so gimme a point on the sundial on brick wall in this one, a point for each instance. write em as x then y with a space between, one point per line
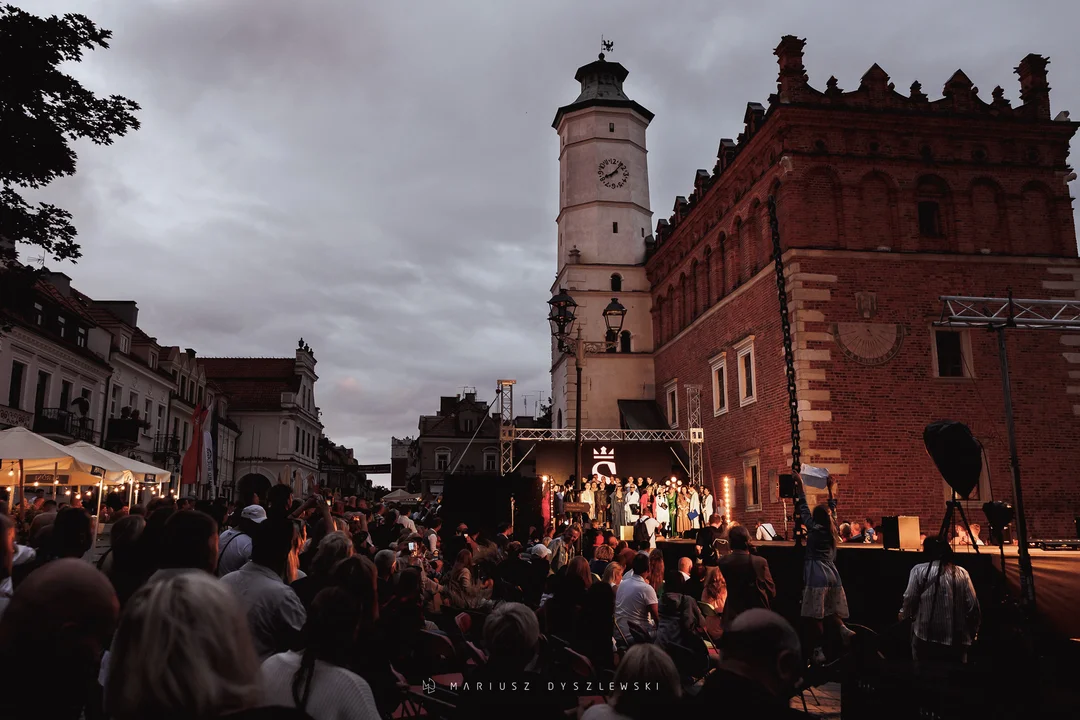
869 343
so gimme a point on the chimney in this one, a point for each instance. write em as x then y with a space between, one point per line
190 353
126 310
60 281
792 79
1034 90
470 397
447 405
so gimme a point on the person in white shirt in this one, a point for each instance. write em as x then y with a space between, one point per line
316 681
940 601
274 612
636 602
235 543
652 525
404 519
632 499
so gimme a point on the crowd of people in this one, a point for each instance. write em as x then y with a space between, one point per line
675 507
340 609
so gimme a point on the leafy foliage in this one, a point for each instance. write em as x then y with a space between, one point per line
42 111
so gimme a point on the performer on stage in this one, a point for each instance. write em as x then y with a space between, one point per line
558 501
645 499
682 519
672 506
708 504
601 496
695 508
587 497
663 516
632 499
618 509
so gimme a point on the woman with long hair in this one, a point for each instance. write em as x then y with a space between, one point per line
824 600
164 664
613 574
316 681
656 570
561 612
464 590
714 592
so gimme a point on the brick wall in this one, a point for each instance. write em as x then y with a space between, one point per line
865 422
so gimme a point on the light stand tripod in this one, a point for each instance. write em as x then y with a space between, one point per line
951 508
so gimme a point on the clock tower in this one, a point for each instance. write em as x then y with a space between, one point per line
604 221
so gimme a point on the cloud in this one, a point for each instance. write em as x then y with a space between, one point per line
381 178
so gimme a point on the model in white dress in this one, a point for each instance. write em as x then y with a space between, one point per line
663 516
632 499
708 505
587 497
695 507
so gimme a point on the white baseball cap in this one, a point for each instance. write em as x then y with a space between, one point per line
254 513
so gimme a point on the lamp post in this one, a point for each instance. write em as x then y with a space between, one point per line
562 319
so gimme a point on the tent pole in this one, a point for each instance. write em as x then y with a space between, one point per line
22 492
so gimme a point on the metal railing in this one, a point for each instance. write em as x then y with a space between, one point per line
591 435
64 423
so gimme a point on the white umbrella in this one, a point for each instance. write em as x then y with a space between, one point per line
37 454
122 469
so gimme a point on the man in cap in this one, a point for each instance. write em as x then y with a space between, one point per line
235 543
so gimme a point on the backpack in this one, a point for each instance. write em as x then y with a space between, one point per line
641 532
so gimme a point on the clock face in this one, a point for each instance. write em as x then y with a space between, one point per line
613 173
869 343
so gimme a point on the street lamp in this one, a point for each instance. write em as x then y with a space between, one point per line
562 319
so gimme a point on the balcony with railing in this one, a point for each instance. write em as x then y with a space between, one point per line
13 417
64 426
166 447
124 433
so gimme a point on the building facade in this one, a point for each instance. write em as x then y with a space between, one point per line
885 202
603 222
461 438
272 404
53 364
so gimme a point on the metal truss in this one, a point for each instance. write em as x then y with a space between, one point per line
962 311
697 435
591 435
505 393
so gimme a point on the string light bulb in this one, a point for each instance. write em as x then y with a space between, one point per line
11 472
35 483
67 492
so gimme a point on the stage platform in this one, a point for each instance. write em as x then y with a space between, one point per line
875 579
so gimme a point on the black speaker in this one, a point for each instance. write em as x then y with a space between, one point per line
957 454
787 485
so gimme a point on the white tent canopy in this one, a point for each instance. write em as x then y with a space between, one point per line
114 462
400 496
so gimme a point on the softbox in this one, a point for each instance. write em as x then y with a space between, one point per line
957 454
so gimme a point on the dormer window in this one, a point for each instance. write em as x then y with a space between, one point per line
152 361
39 314
61 324
125 343
468 425
80 337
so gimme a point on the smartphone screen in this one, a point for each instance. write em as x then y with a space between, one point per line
412 547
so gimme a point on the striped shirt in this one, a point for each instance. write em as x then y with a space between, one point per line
941 604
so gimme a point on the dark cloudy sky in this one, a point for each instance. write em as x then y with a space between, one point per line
380 178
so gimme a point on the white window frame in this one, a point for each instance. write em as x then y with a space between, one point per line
751 460
468 425
125 343
719 390
115 401
493 456
39 314
966 359
161 418
441 454
61 323
671 402
745 348
80 337
153 360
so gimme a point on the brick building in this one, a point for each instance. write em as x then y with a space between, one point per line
885 202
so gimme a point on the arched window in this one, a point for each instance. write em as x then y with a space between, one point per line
931 197
694 289
616 282
624 341
708 277
684 305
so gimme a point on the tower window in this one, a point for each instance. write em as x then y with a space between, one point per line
616 282
611 127
614 227
929 219
624 341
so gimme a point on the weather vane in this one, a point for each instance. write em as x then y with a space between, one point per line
606 45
